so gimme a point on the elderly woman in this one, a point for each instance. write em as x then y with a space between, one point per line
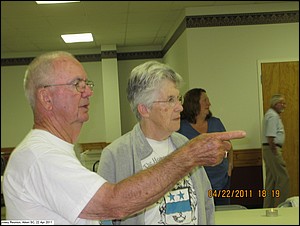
153 94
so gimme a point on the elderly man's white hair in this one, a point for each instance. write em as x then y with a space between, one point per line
275 99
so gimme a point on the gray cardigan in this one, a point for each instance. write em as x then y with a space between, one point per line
122 158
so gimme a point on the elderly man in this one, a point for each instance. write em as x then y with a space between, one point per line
44 180
277 177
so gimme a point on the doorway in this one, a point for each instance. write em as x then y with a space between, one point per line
283 78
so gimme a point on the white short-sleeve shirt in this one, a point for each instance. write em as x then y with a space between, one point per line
44 180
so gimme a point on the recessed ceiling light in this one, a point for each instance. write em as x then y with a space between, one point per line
72 38
54 2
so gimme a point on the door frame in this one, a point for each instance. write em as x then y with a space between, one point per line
260 98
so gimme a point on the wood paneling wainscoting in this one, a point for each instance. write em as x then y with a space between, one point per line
247 178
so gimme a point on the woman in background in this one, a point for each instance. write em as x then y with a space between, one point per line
196 118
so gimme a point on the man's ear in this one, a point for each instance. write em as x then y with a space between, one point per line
44 98
143 110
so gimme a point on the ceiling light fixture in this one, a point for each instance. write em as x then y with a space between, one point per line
72 38
53 2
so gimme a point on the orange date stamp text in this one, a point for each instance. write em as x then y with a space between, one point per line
230 193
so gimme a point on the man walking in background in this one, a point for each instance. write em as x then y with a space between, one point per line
277 177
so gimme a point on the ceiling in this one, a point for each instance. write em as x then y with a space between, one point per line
27 27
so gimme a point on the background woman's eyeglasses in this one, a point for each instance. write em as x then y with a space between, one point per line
79 84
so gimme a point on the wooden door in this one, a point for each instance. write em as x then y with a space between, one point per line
283 78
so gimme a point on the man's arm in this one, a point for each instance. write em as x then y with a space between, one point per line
116 201
272 144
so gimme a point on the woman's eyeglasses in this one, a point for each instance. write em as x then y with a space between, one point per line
172 101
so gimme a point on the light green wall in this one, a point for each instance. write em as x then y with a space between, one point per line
94 129
128 119
224 61
178 59
16 114
111 99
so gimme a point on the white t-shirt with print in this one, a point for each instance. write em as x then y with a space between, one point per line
179 205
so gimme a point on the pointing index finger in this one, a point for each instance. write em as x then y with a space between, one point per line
229 135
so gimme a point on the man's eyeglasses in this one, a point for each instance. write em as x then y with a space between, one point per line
79 84
172 101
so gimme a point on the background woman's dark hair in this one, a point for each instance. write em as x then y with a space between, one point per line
191 105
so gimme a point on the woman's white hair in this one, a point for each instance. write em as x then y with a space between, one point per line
145 81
